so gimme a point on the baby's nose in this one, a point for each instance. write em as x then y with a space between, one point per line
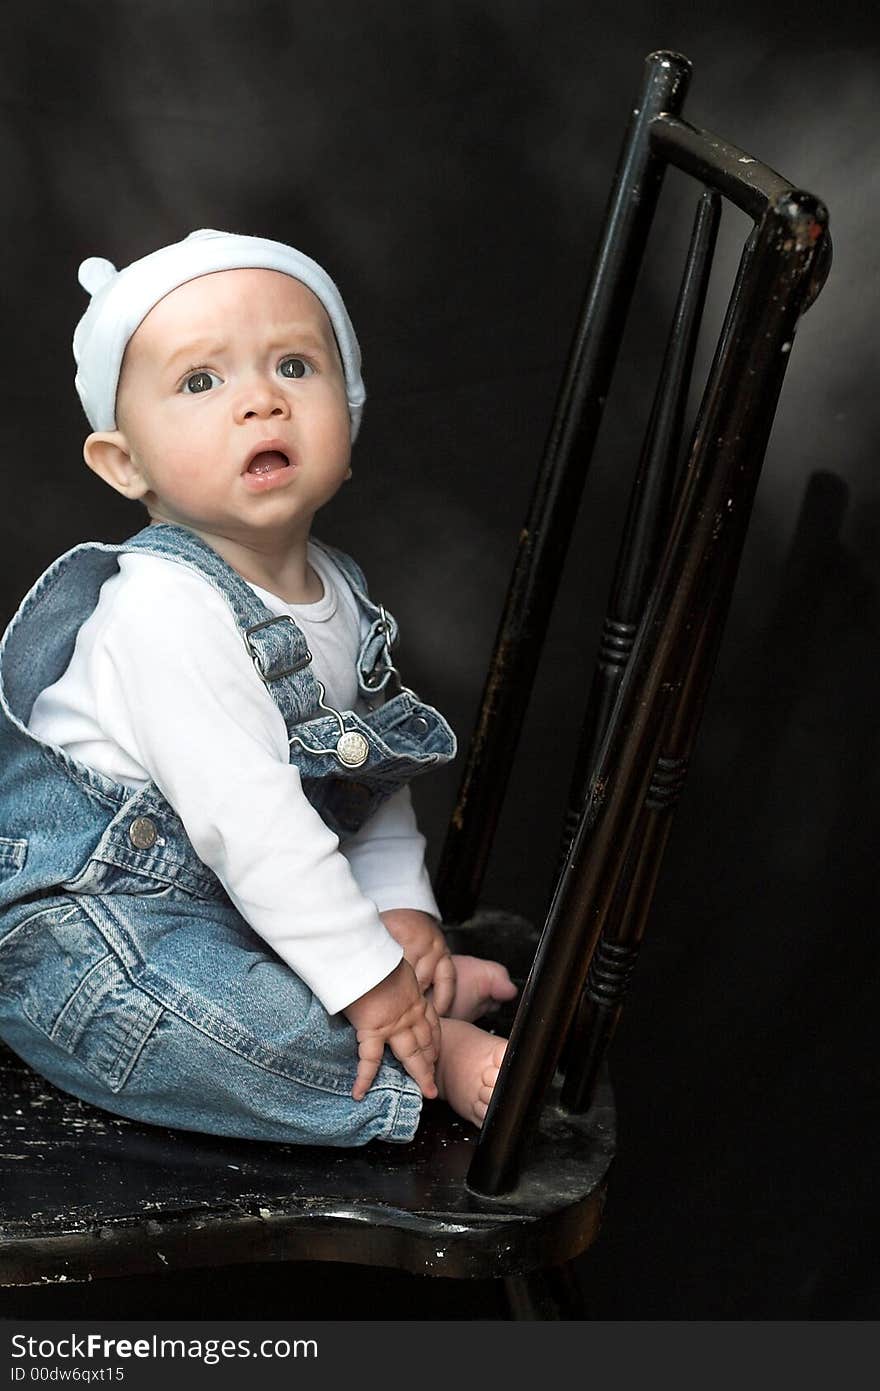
261 399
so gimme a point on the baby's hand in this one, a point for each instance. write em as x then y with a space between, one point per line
397 1013
425 948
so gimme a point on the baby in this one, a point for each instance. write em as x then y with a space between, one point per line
214 907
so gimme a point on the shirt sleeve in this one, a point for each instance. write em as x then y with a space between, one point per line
387 857
179 693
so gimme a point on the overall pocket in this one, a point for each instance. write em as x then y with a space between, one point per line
13 855
59 973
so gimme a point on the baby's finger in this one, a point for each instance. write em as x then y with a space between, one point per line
417 1062
444 984
424 969
370 1050
433 1024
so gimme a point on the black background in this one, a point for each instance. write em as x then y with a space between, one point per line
448 164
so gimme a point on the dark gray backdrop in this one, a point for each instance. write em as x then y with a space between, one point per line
449 164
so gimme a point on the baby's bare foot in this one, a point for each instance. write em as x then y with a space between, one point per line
480 987
467 1067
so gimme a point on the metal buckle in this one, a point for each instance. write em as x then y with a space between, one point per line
380 676
388 678
352 749
255 656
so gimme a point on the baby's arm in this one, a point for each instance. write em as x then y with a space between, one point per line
396 1013
387 858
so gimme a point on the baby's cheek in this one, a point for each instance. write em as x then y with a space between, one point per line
187 464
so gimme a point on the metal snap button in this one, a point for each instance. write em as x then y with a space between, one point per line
142 833
352 749
420 723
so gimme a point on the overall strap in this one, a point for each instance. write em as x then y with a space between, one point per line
274 642
376 671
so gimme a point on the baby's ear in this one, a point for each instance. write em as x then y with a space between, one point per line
107 454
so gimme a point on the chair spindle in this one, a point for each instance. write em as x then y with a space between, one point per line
649 508
670 661
545 537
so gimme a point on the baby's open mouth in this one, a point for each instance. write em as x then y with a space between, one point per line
268 461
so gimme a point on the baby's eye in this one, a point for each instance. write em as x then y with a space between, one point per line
295 367
200 381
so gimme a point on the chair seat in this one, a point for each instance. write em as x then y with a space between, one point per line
87 1194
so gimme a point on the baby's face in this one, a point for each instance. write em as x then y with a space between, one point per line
232 402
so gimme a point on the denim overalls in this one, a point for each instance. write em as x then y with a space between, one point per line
127 977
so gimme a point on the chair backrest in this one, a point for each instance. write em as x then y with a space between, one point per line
674 578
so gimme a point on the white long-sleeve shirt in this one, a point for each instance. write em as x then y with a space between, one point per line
161 688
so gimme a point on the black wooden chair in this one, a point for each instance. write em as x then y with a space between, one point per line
87 1195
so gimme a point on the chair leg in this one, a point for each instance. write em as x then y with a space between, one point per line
545 1295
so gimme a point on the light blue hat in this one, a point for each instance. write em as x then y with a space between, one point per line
121 299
